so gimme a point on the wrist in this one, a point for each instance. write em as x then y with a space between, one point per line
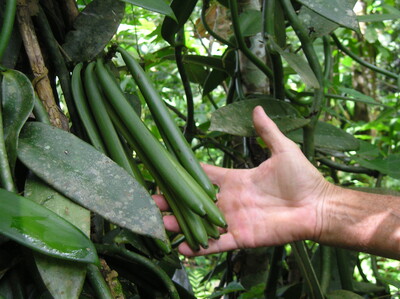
325 202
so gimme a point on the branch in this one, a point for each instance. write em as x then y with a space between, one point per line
41 81
363 62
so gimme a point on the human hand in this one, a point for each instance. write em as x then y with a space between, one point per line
278 202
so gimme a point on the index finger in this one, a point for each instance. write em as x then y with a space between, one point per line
161 202
225 243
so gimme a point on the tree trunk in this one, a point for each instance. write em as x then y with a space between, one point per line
364 79
253 263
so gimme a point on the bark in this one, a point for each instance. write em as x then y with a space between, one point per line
253 262
253 79
364 79
70 12
41 81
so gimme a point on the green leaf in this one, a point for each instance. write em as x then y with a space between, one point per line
230 288
124 236
342 294
214 78
328 136
159 6
367 150
250 22
182 10
338 11
63 279
358 96
41 193
368 287
12 51
377 17
196 73
36 227
299 64
17 103
316 24
88 177
94 28
217 63
236 118
388 165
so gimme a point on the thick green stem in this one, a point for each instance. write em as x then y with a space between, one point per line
326 257
98 283
328 62
348 168
190 124
122 253
269 17
361 61
6 177
307 270
39 111
61 69
308 142
309 52
274 273
311 56
8 24
242 44
335 97
209 30
276 59
346 277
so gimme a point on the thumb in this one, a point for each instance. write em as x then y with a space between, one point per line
215 173
268 131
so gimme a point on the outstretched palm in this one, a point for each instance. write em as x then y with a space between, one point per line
272 204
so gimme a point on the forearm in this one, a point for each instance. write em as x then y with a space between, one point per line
361 221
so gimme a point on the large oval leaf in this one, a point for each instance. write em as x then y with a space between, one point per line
154 5
388 165
182 10
63 279
94 28
316 24
329 137
17 101
236 118
343 294
83 174
298 64
250 22
36 227
338 11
